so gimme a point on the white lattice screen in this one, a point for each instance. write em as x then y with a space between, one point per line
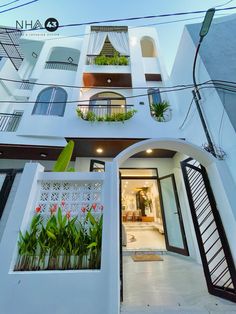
77 197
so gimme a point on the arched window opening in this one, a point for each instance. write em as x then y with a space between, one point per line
154 96
107 103
159 108
51 101
148 47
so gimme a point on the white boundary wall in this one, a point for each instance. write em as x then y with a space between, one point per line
61 292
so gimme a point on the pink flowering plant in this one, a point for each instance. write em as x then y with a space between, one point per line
62 241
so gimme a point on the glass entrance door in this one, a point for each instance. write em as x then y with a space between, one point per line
172 218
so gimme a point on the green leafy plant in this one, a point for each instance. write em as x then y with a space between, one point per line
64 158
61 242
158 110
116 59
114 117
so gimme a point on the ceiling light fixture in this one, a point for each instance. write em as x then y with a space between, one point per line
108 80
43 155
149 151
99 150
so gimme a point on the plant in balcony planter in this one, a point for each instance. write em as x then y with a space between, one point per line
102 60
116 59
123 60
158 110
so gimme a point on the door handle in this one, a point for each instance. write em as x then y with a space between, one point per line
176 213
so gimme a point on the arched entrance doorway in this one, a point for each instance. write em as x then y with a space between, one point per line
196 165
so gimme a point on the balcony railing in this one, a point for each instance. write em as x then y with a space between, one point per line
26 85
108 60
109 113
9 122
58 65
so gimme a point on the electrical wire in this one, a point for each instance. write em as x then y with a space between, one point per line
190 85
125 19
18 6
221 121
132 27
9 3
127 97
222 5
187 114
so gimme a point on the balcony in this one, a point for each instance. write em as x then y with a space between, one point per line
114 59
60 65
9 122
23 91
105 113
26 85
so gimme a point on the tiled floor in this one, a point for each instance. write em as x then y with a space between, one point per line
144 236
174 286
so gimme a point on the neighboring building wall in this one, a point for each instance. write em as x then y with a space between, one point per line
218 121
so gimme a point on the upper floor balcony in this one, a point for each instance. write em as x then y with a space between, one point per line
63 59
24 90
59 65
9 122
105 113
108 50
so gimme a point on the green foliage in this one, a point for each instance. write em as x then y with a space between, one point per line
159 109
116 59
61 242
114 117
64 158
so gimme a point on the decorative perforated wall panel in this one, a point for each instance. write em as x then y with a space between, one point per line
75 196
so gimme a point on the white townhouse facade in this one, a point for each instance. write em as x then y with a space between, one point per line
100 90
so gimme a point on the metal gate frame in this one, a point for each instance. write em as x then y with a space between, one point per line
6 187
227 290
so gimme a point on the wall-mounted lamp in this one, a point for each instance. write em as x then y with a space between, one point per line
34 55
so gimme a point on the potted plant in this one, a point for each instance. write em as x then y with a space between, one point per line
159 109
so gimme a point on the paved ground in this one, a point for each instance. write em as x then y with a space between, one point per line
174 286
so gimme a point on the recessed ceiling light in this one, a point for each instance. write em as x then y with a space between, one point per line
43 155
1 153
108 80
149 151
99 150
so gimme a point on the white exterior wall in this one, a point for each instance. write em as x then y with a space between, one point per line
142 125
61 291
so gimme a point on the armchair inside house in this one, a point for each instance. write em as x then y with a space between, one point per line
137 216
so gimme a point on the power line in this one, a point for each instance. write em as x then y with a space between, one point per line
133 96
124 19
187 114
132 27
218 82
222 5
9 3
18 6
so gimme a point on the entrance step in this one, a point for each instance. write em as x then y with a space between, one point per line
130 252
166 310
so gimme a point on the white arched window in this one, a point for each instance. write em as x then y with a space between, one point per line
51 101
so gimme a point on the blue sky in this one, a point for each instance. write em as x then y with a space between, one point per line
78 11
